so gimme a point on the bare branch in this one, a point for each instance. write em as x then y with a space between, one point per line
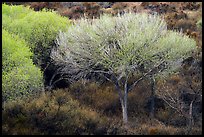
144 75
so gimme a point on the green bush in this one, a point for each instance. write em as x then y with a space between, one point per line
15 12
19 75
39 29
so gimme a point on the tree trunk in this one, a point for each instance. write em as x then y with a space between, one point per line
125 116
123 102
152 107
190 124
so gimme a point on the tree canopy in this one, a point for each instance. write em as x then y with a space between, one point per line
122 45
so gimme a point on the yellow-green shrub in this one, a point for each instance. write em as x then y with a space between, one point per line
39 29
19 75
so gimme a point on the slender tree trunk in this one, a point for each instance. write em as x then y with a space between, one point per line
123 102
190 117
152 107
125 116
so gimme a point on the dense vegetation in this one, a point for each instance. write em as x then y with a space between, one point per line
19 75
39 29
91 105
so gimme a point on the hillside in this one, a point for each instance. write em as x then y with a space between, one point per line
43 100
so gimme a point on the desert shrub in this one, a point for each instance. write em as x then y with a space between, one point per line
70 4
39 29
100 97
74 12
119 6
51 114
38 5
19 75
190 5
104 99
149 126
137 99
41 5
92 9
180 15
185 24
105 4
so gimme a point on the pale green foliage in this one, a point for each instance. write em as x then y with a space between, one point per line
19 75
39 29
173 48
122 45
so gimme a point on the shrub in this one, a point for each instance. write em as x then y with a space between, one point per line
119 6
101 97
39 29
11 13
41 5
42 115
92 9
153 131
19 75
74 12
191 5
38 5
15 12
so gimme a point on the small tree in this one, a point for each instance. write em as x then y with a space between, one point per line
183 92
120 48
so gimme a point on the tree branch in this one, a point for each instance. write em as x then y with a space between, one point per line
141 78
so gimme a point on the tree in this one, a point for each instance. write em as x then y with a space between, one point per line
120 48
183 92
